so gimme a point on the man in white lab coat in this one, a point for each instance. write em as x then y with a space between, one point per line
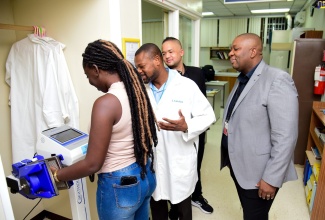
182 113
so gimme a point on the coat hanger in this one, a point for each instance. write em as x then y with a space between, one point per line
38 30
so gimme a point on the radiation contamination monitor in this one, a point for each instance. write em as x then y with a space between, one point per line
72 144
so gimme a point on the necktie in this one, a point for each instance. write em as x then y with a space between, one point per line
234 99
224 140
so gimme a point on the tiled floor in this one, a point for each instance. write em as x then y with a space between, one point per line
219 189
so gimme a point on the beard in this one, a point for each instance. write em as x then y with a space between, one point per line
146 79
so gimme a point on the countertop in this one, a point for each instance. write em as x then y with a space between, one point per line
230 74
212 92
216 83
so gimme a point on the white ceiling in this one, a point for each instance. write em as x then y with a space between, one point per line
243 9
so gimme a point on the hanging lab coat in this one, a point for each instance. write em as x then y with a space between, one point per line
175 160
41 94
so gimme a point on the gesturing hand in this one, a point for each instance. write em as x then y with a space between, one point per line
174 125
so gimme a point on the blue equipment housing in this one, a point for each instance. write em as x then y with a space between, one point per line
36 179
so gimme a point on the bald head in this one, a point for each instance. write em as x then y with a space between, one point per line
172 39
253 40
246 52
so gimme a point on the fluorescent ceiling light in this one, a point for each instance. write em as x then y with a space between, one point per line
278 10
207 13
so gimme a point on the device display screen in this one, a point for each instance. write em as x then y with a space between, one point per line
66 135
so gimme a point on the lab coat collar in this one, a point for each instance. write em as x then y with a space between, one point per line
44 40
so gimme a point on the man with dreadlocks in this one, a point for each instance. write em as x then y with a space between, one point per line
183 113
122 136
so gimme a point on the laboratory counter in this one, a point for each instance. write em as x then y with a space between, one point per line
214 97
231 77
223 86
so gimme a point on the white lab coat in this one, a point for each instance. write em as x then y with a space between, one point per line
41 94
175 160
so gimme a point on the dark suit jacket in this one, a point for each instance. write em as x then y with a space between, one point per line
196 74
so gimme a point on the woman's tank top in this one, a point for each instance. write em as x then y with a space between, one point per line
120 152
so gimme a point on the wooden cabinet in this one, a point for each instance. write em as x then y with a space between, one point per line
231 80
219 53
318 120
312 34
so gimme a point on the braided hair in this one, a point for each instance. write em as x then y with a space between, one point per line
107 56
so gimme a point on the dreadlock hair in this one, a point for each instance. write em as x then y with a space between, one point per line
107 56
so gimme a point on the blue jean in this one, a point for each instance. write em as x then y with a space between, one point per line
126 202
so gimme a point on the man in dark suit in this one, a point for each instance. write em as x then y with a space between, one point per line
172 54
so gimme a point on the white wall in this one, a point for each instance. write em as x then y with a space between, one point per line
20 205
74 23
151 12
195 5
131 18
6 40
317 21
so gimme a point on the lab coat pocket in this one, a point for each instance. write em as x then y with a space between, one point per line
184 166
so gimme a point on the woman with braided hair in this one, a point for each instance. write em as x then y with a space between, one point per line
121 138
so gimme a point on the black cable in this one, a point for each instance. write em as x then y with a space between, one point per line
33 208
92 177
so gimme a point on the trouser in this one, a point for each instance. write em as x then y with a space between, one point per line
254 207
116 201
198 187
159 209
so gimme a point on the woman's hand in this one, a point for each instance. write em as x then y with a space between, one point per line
55 173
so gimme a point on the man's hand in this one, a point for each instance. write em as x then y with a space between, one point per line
266 191
174 125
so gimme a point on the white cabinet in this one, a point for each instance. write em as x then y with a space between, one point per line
209 32
255 25
221 32
152 32
223 86
229 29
214 97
